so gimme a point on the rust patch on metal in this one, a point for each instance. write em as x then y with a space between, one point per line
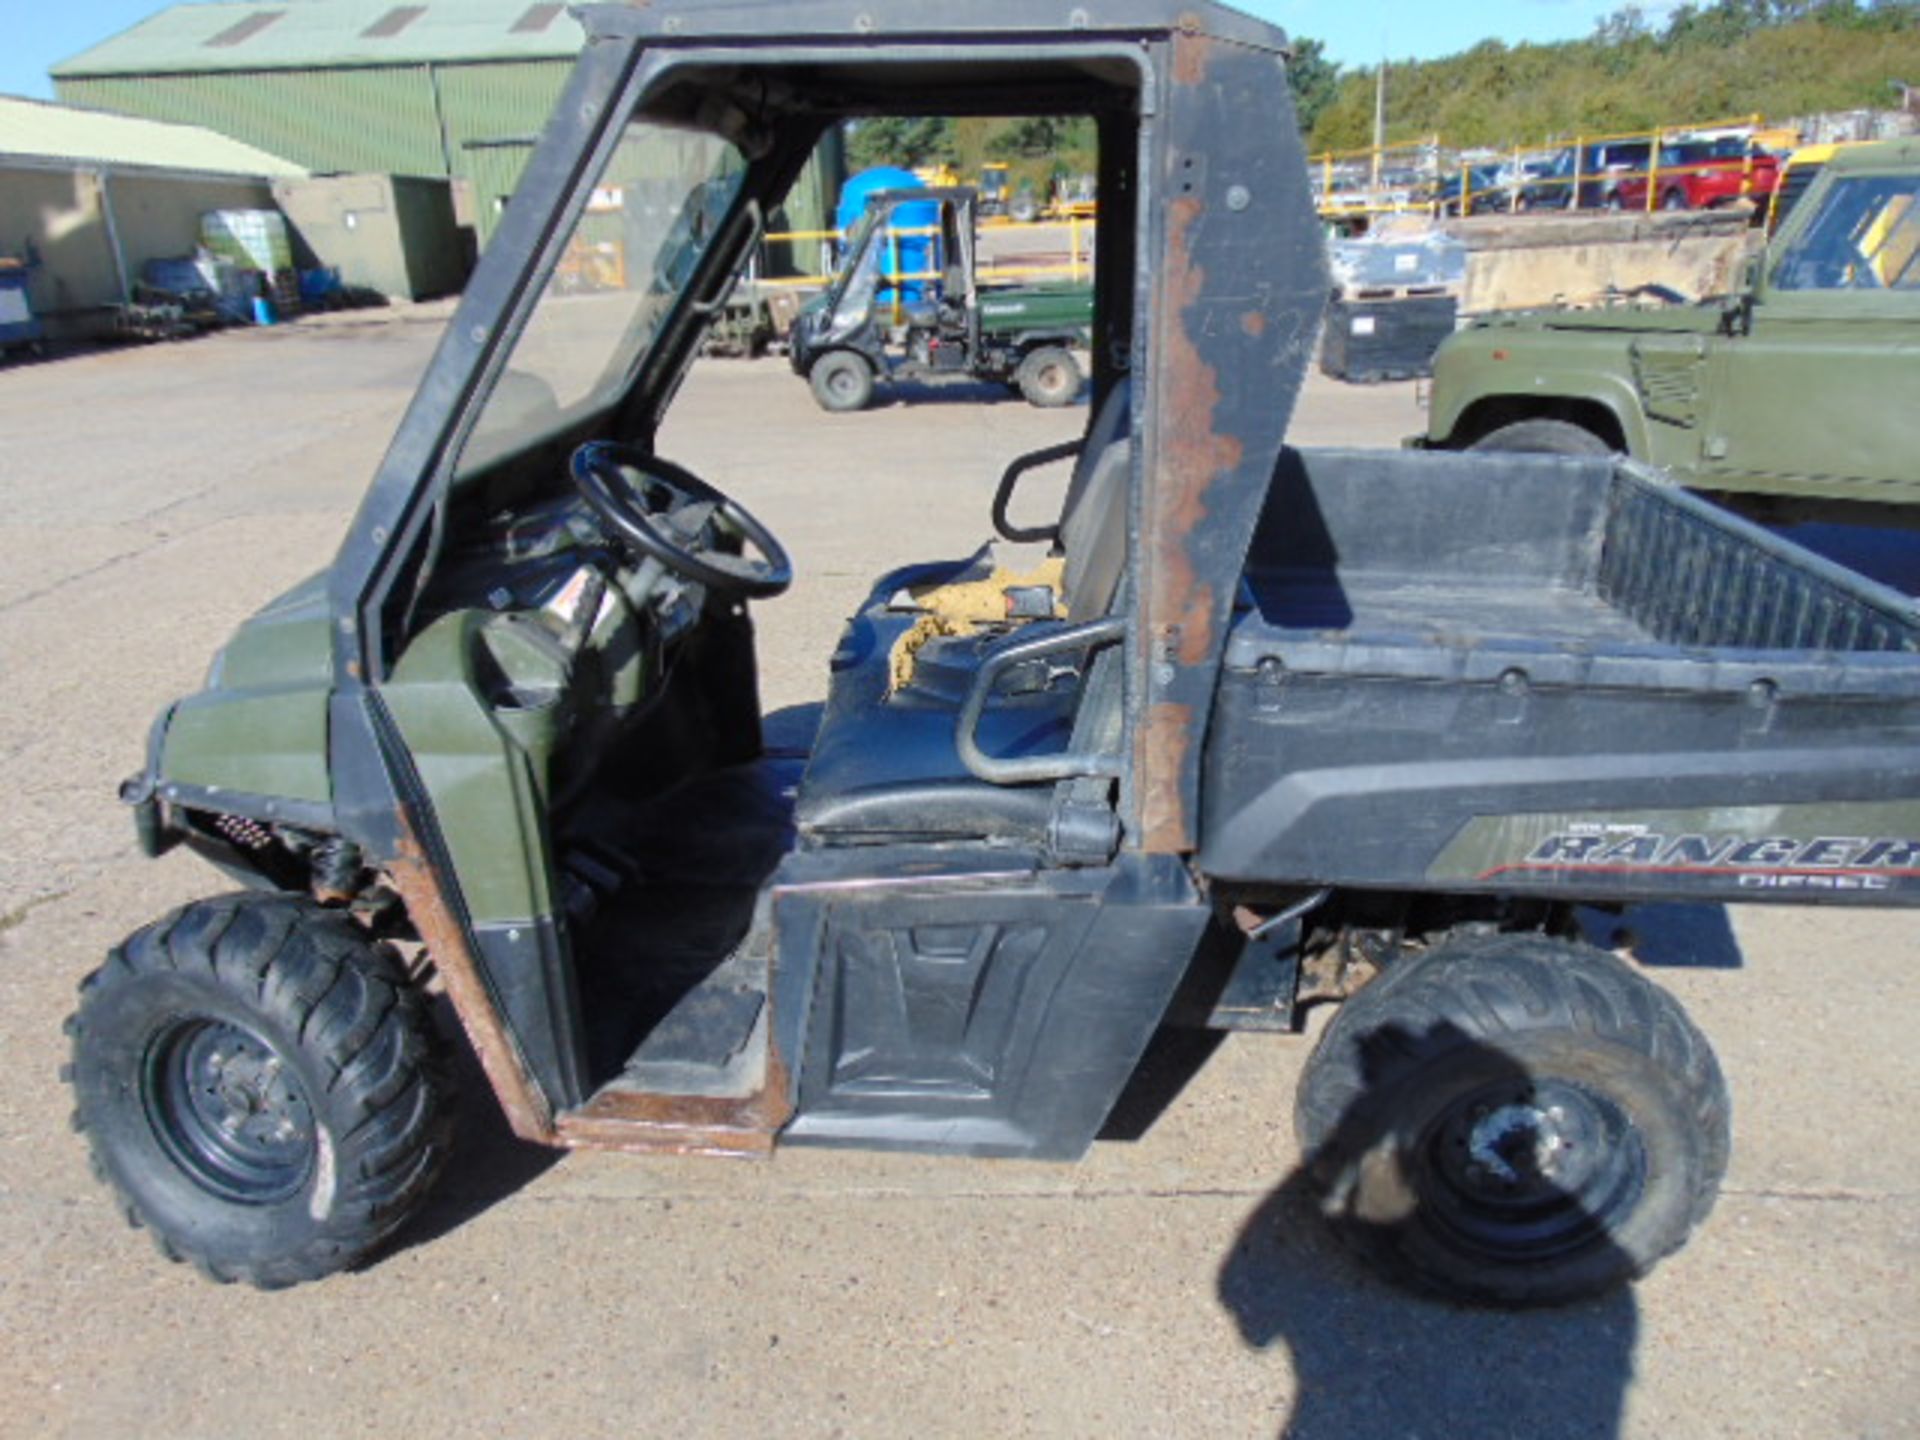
1163 739
655 1124
527 1110
1192 455
1254 322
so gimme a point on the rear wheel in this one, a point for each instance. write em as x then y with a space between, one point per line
1514 1120
1675 199
1544 437
842 381
260 1088
1049 377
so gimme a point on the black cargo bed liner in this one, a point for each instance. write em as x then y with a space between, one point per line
1576 572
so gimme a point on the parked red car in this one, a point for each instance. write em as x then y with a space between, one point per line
1700 174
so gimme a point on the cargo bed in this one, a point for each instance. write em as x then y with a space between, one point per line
1438 660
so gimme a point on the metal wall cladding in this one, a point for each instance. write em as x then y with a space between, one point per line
472 121
398 120
379 120
485 104
493 172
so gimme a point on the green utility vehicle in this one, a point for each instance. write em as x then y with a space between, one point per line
1240 731
880 321
1792 398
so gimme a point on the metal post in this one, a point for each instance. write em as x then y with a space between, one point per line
893 273
113 238
1379 119
1579 166
1653 171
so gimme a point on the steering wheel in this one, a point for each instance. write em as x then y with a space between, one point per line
663 512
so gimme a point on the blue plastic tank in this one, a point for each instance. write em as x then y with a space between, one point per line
918 254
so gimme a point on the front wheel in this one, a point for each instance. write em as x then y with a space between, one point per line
1514 1120
1544 437
842 382
1049 377
260 1088
1674 200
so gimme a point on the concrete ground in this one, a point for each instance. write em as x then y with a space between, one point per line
1170 1286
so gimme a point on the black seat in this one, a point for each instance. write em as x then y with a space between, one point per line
884 766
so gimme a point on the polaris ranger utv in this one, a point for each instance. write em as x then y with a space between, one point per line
1257 728
874 324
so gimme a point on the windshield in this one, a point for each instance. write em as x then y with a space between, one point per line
1865 237
857 255
652 214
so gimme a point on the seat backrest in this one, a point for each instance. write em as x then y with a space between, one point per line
1093 522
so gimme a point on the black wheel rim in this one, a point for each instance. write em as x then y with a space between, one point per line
229 1111
1529 1170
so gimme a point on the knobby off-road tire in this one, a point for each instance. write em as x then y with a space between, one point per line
260 1088
1544 437
1514 1120
842 382
1050 377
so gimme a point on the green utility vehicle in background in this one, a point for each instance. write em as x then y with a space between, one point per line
880 322
1793 399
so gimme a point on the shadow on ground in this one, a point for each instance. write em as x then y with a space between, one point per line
1370 1360
913 393
488 1162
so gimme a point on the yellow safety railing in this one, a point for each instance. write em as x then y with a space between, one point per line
1077 267
1373 191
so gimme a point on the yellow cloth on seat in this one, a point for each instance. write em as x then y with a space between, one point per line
961 607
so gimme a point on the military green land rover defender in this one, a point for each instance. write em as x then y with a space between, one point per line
1793 397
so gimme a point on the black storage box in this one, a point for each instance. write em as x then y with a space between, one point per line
1371 340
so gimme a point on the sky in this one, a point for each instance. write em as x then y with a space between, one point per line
40 32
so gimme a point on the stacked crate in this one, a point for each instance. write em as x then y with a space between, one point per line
1395 299
257 241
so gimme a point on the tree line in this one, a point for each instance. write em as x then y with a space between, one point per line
1697 62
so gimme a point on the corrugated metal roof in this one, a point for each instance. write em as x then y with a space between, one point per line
301 34
39 130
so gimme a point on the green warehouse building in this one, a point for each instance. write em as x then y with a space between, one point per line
453 88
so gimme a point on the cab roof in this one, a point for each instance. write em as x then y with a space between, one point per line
855 22
1877 155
